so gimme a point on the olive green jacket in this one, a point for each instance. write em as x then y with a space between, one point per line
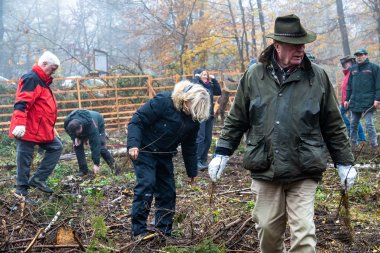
288 126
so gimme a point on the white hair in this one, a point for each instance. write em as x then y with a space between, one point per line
49 58
196 94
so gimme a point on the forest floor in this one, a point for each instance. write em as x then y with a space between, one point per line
93 213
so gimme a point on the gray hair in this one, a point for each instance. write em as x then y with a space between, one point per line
49 58
198 96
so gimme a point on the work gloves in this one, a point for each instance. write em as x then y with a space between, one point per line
216 166
19 131
347 174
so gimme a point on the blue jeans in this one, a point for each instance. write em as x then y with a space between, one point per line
204 139
24 158
369 125
361 133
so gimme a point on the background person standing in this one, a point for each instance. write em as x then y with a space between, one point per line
347 63
204 137
363 95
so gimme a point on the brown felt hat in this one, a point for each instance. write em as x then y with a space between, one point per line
288 29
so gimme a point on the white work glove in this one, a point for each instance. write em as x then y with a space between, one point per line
19 131
216 166
349 172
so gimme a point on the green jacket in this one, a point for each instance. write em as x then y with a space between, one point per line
288 126
93 130
363 86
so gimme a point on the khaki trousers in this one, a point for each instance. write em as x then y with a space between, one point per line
276 203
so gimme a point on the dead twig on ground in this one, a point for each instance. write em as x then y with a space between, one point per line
51 223
81 246
30 246
228 226
234 191
239 230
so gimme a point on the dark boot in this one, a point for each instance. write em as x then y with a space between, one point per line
40 185
82 173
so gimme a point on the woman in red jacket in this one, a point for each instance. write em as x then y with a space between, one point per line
33 120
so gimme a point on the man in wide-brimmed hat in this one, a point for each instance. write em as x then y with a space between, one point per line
363 95
288 108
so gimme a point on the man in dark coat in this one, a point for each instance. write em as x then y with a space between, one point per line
363 95
288 108
83 126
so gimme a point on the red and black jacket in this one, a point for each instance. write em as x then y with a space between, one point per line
35 107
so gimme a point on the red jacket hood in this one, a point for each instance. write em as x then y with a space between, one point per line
47 79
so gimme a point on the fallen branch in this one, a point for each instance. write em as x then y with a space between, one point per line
51 223
24 240
146 238
30 246
240 190
7 166
228 226
239 230
81 246
49 247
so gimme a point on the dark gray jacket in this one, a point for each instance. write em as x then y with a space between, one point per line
287 124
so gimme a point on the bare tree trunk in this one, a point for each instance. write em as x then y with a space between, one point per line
2 55
245 36
237 39
253 32
343 28
374 5
186 26
262 23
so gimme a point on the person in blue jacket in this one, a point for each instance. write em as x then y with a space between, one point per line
204 138
154 133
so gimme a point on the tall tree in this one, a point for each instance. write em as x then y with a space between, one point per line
343 28
239 42
244 27
262 22
253 31
374 5
2 58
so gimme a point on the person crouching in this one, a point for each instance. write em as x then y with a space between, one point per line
154 133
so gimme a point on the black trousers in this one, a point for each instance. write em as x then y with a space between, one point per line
24 156
155 178
81 156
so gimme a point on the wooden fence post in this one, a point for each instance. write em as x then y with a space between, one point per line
78 93
149 87
117 106
222 80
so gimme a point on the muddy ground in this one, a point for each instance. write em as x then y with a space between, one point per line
95 213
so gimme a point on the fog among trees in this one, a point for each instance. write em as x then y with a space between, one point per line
170 37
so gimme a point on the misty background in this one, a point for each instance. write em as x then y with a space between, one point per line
173 37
